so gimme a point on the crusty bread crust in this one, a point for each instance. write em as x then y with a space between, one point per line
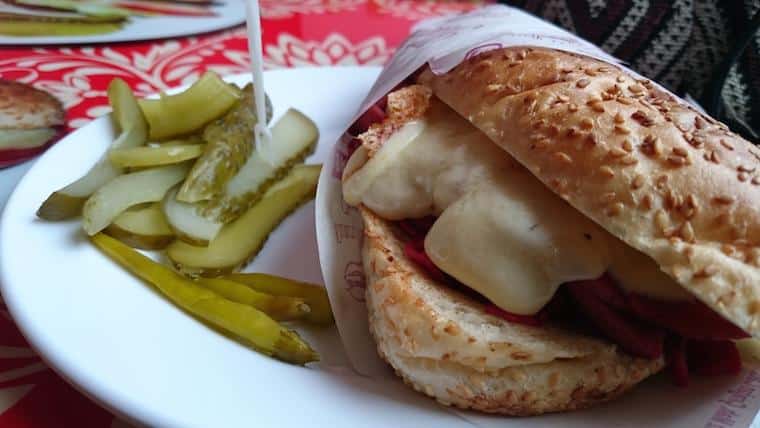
445 345
24 107
669 181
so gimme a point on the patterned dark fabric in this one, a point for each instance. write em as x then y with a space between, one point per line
679 43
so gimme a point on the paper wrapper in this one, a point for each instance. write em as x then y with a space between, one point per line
443 43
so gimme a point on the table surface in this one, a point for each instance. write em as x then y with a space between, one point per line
296 33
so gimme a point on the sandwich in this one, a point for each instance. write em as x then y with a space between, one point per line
30 120
544 230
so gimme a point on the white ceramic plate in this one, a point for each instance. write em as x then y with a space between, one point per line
228 13
128 348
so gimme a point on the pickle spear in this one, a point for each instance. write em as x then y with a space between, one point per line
239 241
67 202
139 157
187 222
293 138
314 295
128 190
230 142
241 321
144 228
188 111
280 308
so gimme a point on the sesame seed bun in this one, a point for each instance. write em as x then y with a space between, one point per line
445 345
24 107
671 182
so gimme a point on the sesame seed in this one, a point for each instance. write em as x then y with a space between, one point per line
642 118
680 151
661 181
597 107
582 83
699 122
590 72
607 171
625 100
743 176
619 118
587 123
696 142
724 200
726 144
617 152
521 55
714 157
646 202
620 79
756 180
727 249
622 129
563 157
606 96
627 146
615 209
687 232
563 98
572 132
681 127
635 88
603 69
638 181
661 220
591 139
629 160
744 168
677 160
573 107
706 272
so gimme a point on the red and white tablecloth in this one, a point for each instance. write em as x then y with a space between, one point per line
296 33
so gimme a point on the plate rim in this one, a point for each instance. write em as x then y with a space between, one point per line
233 20
107 397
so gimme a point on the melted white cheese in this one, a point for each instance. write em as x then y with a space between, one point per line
500 231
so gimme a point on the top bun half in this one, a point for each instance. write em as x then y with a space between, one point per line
669 181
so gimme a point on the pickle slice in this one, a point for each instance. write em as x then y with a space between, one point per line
230 142
240 241
67 202
293 138
189 111
280 308
84 8
314 295
144 228
243 322
187 222
137 157
128 190
16 139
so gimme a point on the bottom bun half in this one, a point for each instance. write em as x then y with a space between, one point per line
445 345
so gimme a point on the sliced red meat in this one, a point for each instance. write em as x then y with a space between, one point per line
633 336
713 357
675 358
373 115
689 319
415 251
534 320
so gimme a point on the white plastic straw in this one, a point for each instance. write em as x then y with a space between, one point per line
263 137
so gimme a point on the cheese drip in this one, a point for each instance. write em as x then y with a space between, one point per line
499 231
